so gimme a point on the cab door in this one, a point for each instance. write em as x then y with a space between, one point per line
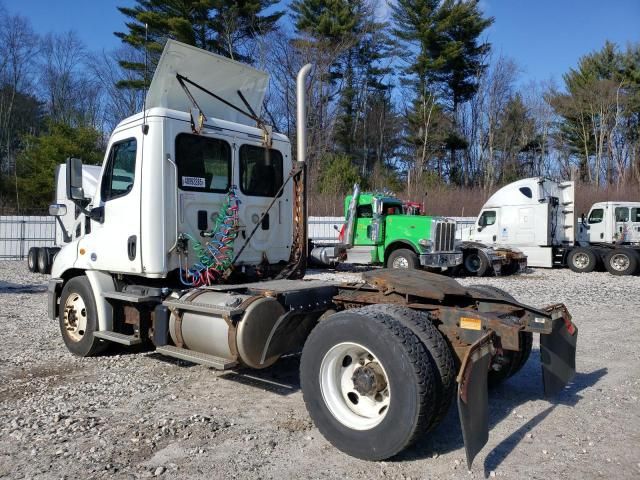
364 217
487 227
596 225
114 244
621 230
634 225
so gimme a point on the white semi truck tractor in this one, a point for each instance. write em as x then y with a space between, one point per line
537 216
196 246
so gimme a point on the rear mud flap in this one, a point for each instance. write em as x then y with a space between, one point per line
558 355
473 397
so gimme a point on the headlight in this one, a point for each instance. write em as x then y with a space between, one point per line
427 244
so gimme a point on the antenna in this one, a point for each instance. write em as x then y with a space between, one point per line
145 127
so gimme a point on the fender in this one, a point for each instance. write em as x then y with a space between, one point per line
393 246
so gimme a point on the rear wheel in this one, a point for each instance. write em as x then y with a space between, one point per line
403 258
367 383
582 260
79 318
32 259
507 362
621 261
44 266
437 349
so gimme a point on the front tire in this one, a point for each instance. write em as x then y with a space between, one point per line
79 318
621 261
403 258
367 383
475 264
582 260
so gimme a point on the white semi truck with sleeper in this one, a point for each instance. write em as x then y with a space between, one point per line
537 216
197 247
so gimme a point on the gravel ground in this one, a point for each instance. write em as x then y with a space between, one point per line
137 415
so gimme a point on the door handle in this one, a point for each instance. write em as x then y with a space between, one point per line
131 247
494 238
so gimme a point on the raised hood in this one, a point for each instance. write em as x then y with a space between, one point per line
219 75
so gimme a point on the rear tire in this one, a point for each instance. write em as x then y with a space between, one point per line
437 348
582 260
78 318
403 258
32 259
475 264
333 382
512 360
621 261
44 266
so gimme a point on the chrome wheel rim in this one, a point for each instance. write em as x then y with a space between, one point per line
354 386
581 260
619 262
400 262
75 317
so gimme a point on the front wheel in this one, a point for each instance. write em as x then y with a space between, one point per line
79 318
476 264
582 260
367 383
622 261
403 258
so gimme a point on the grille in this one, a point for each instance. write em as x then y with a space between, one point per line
445 236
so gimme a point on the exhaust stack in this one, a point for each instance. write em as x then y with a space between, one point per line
301 119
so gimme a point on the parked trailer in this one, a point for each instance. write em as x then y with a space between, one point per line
537 216
380 360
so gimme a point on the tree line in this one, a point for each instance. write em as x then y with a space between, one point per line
412 103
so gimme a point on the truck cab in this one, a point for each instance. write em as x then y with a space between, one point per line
162 184
611 222
383 233
532 215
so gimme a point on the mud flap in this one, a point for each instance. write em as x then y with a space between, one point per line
473 397
558 355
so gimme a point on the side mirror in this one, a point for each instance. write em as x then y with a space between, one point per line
582 218
75 191
482 222
57 210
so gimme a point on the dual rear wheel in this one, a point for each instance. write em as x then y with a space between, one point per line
375 378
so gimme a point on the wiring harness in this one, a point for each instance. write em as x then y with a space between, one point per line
215 257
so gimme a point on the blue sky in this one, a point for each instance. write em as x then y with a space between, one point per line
545 37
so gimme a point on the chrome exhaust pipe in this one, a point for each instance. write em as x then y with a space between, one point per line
301 118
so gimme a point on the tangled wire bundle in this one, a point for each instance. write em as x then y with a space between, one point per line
216 255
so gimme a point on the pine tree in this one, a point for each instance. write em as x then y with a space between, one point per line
449 57
220 26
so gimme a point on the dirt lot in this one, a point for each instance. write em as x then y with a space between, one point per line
133 415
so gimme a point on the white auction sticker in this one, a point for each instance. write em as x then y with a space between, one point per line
197 182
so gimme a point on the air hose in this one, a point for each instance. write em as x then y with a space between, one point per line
215 257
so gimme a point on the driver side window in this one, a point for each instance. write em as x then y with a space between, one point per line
596 215
488 218
120 172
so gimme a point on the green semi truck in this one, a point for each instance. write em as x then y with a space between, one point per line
381 229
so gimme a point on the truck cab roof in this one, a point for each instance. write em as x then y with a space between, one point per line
213 124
